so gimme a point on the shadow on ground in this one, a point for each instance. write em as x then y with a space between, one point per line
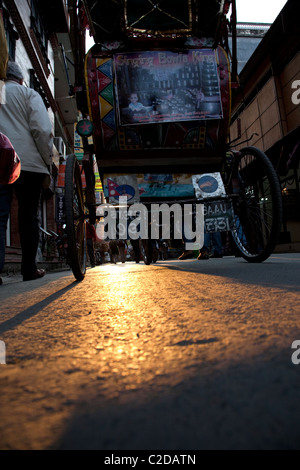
243 407
278 272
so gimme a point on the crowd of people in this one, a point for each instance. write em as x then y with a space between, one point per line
120 251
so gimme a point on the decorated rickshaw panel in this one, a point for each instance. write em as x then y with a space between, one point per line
159 99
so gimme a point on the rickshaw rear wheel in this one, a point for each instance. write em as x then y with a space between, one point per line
257 203
75 218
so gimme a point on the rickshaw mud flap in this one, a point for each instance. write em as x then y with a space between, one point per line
219 215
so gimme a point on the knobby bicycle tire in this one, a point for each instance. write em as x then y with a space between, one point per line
75 218
258 208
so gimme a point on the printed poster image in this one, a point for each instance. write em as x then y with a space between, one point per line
164 86
123 186
149 186
208 185
166 186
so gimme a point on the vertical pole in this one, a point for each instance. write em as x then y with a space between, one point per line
234 40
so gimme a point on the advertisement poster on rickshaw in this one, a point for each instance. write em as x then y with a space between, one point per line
148 186
167 86
123 186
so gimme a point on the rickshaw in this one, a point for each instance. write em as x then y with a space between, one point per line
159 83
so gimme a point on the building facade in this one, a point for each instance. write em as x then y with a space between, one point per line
46 41
267 107
249 36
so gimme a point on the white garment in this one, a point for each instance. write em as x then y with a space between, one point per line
136 107
25 121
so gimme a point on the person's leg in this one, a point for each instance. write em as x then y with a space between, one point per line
187 254
6 193
207 242
122 254
28 191
204 252
217 245
91 252
92 255
136 249
113 257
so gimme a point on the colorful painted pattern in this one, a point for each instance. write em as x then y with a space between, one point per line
106 98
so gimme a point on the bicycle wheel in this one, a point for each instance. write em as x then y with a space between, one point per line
75 218
257 205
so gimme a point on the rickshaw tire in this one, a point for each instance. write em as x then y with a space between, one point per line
73 172
277 208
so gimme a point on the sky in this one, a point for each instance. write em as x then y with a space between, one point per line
250 11
259 11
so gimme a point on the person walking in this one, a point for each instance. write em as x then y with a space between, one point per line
25 121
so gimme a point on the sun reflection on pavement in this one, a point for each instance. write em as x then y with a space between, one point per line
131 330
